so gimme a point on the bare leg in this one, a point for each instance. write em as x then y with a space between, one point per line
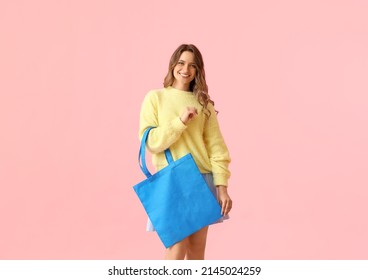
197 245
177 251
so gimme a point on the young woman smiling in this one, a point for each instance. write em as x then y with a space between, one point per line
185 120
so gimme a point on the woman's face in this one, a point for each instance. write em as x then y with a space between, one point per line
184 71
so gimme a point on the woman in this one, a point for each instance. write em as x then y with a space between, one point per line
185 120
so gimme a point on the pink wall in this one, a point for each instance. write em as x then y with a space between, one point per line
288 77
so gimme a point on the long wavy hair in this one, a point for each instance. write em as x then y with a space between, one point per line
198 86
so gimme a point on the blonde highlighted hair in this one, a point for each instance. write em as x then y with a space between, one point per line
198 86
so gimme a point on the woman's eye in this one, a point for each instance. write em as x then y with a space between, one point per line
180 62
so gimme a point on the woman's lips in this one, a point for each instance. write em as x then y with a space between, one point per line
184 75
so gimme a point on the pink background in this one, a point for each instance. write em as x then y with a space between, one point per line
288 77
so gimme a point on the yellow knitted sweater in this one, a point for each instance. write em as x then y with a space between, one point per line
201 137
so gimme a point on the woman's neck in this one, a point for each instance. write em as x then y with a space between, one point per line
180 86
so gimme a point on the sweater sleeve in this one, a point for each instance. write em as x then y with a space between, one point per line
164 134
216 149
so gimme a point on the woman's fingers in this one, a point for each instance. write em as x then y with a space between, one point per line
229 206
192 111
224 200
226 206
188 114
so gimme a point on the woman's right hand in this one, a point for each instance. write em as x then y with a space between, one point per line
188 114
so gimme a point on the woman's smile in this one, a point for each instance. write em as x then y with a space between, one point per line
184 71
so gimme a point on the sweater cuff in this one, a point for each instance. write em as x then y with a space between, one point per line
220 179
178 125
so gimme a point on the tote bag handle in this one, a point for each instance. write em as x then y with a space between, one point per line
142 154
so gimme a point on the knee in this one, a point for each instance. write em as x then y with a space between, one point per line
196 245
177 251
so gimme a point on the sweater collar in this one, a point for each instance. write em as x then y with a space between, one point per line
178 91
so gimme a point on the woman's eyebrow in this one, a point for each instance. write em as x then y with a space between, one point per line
181 60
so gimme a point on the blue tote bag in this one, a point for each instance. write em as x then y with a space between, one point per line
176 199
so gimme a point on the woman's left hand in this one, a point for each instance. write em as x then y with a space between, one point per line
224 199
